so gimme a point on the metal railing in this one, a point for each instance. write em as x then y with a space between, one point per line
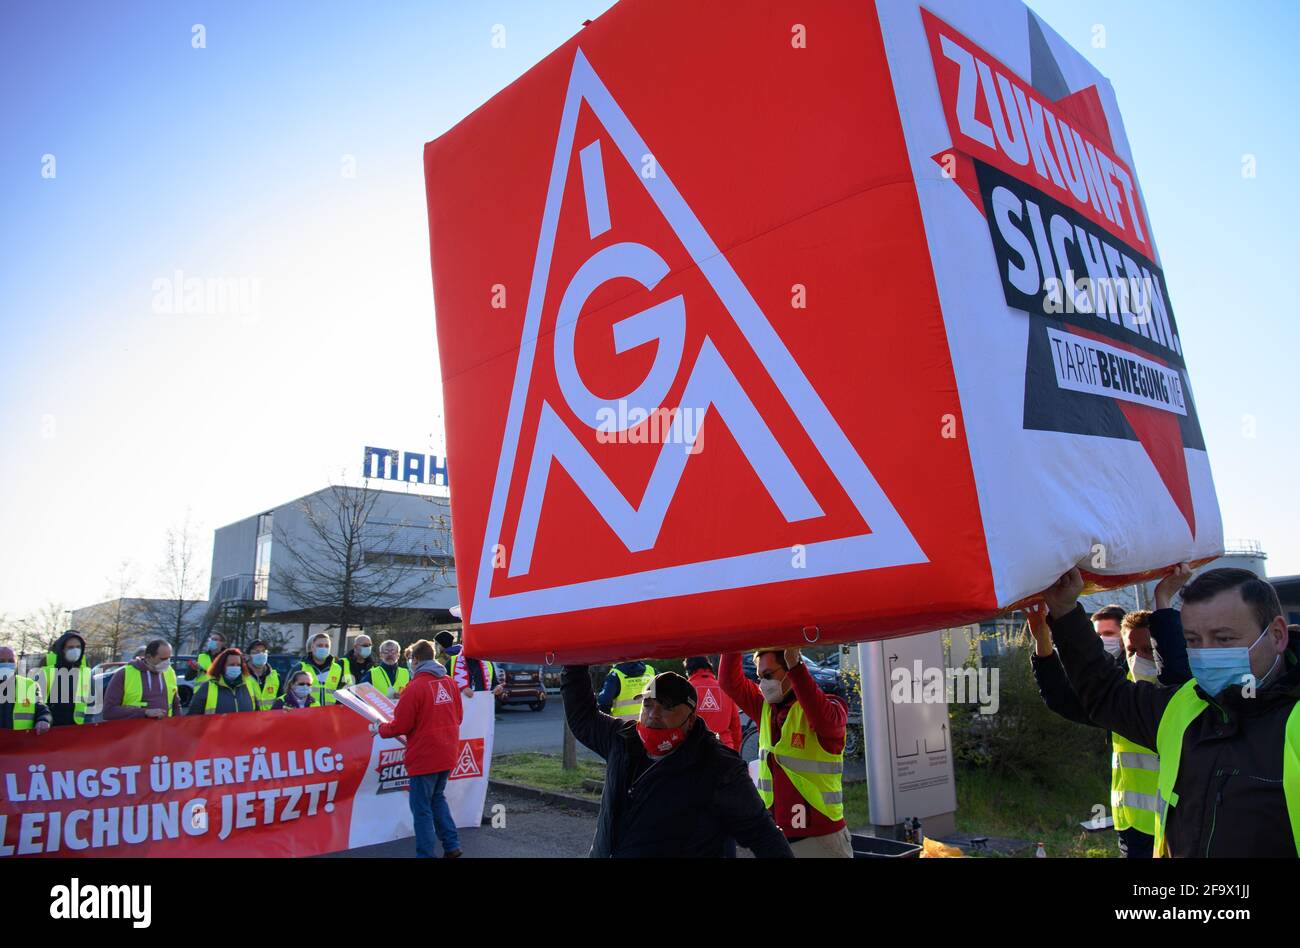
1240 547
241 587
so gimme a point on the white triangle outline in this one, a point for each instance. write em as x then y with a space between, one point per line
889 543
444 696
466 756
709 703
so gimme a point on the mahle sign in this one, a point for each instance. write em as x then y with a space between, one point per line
406 466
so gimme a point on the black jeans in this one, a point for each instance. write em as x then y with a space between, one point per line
1135 844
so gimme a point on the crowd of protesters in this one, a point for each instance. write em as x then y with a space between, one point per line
1202 703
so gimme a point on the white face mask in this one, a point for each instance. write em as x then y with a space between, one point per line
1143 669
72 654
773 690
1113 644
162 666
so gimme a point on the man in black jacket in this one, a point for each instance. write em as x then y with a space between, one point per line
1166 664
672 789
1229 739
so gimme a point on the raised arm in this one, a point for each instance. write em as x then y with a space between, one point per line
731 675
593 728
1132 709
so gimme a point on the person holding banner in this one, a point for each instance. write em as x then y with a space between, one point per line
226 690
65 679
330 673
1228 740
428 716
801 734
672 789
1134 768
387 675
262 678
297 693
21 708
145 687
470 674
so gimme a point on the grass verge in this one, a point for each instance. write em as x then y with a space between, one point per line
545 772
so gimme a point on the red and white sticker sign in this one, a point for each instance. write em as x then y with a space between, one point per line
696 366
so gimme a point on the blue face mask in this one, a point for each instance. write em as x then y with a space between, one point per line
1217 668
233 672
301 691
364 651
320 653
259 659
7 670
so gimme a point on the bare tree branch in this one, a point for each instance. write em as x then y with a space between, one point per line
351 565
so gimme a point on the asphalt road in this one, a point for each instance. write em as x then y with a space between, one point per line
533 829
519 729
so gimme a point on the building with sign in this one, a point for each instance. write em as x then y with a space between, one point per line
340 560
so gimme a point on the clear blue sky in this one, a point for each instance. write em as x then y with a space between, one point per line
228 161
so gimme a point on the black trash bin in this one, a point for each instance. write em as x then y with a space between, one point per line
877 847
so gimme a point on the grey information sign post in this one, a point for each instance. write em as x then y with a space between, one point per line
909 747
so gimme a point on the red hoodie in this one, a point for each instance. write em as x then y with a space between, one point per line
719 712
827 715
428 714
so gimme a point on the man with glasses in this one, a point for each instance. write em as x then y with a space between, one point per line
390 677
671 788
801 733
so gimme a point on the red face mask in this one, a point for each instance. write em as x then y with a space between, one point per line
659 740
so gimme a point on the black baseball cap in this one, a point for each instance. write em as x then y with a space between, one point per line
670 689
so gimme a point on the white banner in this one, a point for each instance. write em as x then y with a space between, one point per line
381 813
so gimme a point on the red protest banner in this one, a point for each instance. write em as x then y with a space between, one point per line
267 784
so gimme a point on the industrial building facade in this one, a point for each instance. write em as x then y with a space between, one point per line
341 556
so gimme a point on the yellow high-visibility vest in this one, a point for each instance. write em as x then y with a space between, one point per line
1184 708
133 688
24 703
1134 775
626 703
210 699
45 676
815 772
379 678
337 677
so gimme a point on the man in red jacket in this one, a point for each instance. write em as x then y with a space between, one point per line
718 712
428 715
801 748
